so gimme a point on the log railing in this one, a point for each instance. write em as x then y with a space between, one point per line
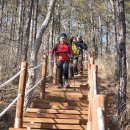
21 90
97 102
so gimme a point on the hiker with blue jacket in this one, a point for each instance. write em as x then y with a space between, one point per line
82 47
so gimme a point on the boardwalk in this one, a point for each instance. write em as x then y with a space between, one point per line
65 108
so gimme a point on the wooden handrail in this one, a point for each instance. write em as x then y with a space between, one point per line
96 101
55 71
21 93
43 82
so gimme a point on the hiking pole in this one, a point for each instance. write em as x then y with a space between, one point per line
82 74
73 72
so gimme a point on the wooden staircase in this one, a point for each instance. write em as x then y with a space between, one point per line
61 109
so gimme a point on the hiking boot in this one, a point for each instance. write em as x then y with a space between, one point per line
81 72
66 84
60 86
76 73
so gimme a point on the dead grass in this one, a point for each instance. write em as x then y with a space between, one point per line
108 84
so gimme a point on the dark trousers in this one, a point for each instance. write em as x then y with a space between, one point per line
80 63
75 62
62 69
71 69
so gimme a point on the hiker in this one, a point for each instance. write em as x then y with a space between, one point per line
75 50
82 46
63 52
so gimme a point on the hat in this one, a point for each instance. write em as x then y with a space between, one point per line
63 35
79 36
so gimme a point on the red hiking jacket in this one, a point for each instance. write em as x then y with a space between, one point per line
63 51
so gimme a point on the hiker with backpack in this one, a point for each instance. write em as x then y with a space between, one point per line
75 50
82 47
63 52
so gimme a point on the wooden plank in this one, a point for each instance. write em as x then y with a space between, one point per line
56 126
69 103
43 120
43 106
57 121
51 90
66 98
72 93
24 129
64 116
56 111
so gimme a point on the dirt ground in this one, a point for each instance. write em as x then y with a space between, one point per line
109 87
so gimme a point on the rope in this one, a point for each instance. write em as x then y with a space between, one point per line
9 106
28 94
33 87
11 79
15 100
16 75
36 66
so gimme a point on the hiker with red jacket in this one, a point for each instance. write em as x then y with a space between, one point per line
63 52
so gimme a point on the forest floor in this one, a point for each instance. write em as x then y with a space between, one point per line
110 89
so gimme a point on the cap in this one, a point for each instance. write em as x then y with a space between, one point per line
79 36
63 35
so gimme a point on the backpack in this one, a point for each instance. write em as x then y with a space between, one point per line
55 48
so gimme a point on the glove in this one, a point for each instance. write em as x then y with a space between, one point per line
51 51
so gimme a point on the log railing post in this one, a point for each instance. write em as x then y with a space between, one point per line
43 82
89 123
98 101
95 79
91 81
21 93
55 71
88 70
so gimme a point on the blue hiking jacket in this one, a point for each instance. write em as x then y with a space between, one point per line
82 46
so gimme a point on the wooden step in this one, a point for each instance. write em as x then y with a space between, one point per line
59 106
73 87
56 126
78 112
55 120
66 97
70 90
47 115
69 93
25 129
82 102
63 103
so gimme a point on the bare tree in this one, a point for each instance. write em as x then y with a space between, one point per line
27 31
122 60
36 46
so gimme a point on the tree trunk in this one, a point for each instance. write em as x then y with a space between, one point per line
115 20
35 49
20 29
122 61
107 36
2 12
27 33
